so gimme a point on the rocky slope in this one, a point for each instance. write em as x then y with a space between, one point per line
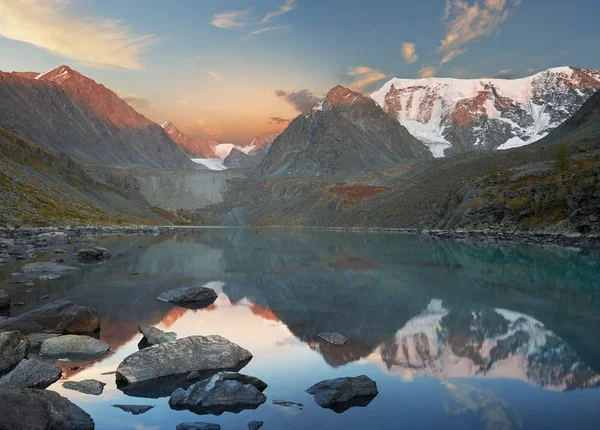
66 111
345 133
239 159
458 115
194 147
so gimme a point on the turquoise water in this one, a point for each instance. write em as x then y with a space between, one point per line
456 335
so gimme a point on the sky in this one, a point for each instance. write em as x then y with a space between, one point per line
229 70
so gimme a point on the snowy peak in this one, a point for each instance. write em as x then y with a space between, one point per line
459 115
342 96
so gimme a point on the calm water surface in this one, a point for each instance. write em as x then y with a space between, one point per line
456 335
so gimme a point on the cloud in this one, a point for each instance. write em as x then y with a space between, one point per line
212 132
288 6
264 30
302 100
426 72
231 20
135 101
409 52
364 76
277 120
504 74
201 122
469 23
215 75
530 70
91 41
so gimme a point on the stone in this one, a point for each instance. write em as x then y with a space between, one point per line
335 338
93 254
287 404
341 394
74 346
53 237
4 300
87 386
201 353
135 409
61 316
198 426
154 336
223 392
31 373
13 348
33 409
36 339
48 268
191 297
255 425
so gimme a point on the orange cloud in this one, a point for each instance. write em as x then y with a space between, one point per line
409 52
364 76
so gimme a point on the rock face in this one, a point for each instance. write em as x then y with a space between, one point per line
198 426
194 147
225 391
47 268
13 348
31 373
194 297
347 132
33 409
335 338
74 346
154 336
459 115
87 386
239 159
201 353
61 316
135 409
342 393
66 111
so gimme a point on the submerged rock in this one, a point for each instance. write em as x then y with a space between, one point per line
343 393
33 409
335 338
223 392
72 345
13 348
255 425
48 268
191 297
87 386
182 356
36 339
94 254
154 336
287 404
61 316
198 426
31 373
135 409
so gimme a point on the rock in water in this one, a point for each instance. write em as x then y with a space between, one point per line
135 409
87 386
31 373
36 339
154 336
74 346
4 300
191 297
13 348
335 338
201 353
61 316
32 409
46 268
343 393
287 404
225 391
255 425
198 426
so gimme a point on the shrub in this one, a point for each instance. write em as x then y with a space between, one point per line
562 157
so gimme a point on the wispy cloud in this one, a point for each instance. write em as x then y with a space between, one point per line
134 100
215 75
302 100
278 120
530 70
504 74
273 28
231 20
288 6
427 71
409 52
92 41
364 76
469 23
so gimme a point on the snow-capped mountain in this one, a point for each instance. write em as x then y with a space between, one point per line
457 115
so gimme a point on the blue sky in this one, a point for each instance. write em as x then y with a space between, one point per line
224 68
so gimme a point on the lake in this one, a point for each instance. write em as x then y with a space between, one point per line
456 335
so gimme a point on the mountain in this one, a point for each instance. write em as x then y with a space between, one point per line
66 111
459 115
344 133
194 147
239 159
264 139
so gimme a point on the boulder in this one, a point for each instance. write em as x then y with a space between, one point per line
341 394
53 237
94 254
223 392
255 425
190 297
36 339
31 373
32 409
61 316
13 348
335 338
154 336
198 426
48 268
75 346
135 409
87 386
182 356
4 300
